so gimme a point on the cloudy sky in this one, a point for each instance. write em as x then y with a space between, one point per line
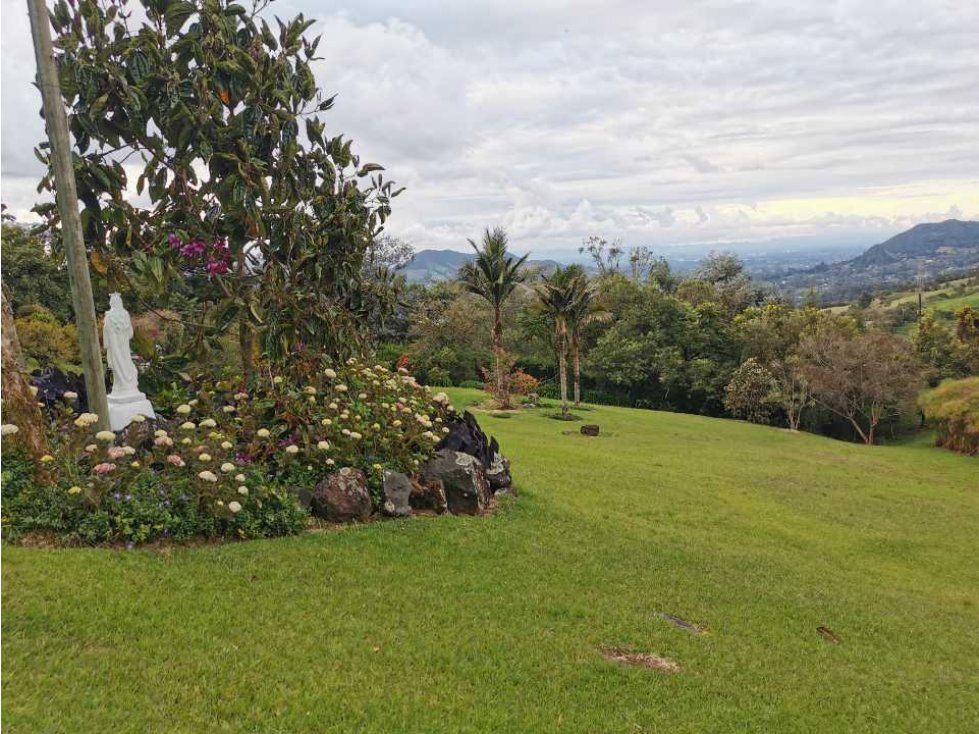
655 121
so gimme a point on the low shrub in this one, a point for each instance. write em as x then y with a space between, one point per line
954 406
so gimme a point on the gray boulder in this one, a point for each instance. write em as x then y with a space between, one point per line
498 473
396 493
343 496
463 477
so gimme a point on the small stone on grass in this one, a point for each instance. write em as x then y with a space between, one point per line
640 659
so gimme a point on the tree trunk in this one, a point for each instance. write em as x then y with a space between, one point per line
868 438
502 394
562 361
576 355
66 195
19 405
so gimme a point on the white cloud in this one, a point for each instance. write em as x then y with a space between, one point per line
654 122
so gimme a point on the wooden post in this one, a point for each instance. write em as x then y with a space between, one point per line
56 122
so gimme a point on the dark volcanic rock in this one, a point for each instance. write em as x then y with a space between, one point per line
342 496
589 429
466 436
396 492
467 490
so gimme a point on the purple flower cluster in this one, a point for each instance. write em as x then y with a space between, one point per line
218 256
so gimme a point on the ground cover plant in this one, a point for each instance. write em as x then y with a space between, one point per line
755 534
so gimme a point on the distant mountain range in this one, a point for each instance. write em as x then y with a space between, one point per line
429 266
925 251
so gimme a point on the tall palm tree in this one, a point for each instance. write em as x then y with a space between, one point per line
557 294
493 276
583 308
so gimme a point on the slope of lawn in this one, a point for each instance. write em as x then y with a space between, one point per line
493 624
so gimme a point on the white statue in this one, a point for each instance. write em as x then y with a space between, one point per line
125 400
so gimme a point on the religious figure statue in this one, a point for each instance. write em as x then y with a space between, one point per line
125 400
116 333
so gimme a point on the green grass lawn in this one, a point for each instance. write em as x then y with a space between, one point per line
492 624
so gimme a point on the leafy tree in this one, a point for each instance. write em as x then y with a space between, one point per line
493 276
256 218
792 392
750 393
862 379
33 275
557 296
583 309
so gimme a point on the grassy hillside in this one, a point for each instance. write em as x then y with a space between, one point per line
493 624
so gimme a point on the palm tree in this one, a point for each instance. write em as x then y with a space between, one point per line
557 294
493 275
582 309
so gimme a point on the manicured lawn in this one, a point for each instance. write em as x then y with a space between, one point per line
493 624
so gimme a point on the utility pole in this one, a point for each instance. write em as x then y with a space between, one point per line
56 122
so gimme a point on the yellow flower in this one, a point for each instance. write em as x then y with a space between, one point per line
323 445
204 458
138 418
263 433
86 419
326 422
183 409
188 425
75 490
107 436
47 459
208 423
277 380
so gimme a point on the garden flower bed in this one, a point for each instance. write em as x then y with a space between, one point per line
229 462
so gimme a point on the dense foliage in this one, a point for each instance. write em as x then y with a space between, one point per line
256 218
954 406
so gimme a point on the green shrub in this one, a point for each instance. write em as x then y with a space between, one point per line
473 384
954 406
45 342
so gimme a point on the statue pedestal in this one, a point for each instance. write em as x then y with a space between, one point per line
122 409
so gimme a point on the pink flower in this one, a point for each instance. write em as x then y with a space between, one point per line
175 460
116 452
104 468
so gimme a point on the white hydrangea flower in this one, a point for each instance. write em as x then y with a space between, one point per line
183 409
323 445
278 380
8 429
263 433
227 467
86 419
208 423
91 447
243 490
234 506
292 449
355 436
330 374
227 445
186 441
208 476
138 418
69 395
362 396
160 433
310 390
240 478
341 388
204 458
188 425
228 409
107 436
